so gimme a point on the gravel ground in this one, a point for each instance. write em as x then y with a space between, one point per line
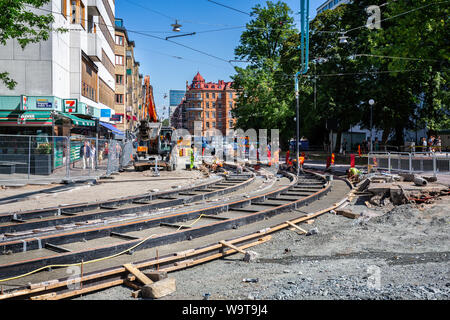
400 254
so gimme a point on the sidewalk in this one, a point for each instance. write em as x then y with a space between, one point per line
340 169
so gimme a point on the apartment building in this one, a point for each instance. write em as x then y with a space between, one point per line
69 75
330 4
128 80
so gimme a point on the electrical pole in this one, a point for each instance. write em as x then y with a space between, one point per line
304 48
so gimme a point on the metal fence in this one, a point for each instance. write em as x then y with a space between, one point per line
435 162
42 158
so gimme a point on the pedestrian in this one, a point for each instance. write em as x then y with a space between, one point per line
376 144
105 151
439 144
430 144
93 152
85 153
344 146
424 144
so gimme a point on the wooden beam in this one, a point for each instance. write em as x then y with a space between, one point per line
229 245
296 227
139 275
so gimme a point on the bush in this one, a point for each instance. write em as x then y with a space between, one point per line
44 148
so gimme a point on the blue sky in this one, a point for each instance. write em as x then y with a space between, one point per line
170 65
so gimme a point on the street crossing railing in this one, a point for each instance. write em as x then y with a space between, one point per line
435 162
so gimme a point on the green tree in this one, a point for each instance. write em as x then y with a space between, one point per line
17 21
262 101
420 40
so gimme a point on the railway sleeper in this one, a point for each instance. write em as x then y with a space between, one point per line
54 247
173 225
123 236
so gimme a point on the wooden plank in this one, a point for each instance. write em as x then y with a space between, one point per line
296 227
135 294
347 214
131 285
44 296
229 245
86 290
139 275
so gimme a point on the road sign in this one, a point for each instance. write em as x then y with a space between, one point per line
23 103
70 105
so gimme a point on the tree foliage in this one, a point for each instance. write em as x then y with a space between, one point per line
403 66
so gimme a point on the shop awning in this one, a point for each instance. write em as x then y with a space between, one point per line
78 121
36 118
111 127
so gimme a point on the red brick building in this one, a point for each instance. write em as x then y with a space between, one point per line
209 102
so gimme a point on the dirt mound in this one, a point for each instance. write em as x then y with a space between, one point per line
398 214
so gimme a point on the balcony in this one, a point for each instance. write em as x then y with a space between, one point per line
94 47
94 7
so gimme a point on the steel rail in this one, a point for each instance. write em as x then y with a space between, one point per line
58 288
79 207
166 238
138 204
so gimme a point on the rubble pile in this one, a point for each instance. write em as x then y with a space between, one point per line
388 190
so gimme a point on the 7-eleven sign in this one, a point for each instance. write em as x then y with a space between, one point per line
70 105
23 103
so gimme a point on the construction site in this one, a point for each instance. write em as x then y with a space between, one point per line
252 234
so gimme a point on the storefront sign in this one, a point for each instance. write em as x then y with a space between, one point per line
22 119
43 103
90 110
105 113
23 103
70 105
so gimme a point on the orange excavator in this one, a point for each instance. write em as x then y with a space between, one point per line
153 139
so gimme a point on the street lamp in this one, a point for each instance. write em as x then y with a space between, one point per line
176 26
371 102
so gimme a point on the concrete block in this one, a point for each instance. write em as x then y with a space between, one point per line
159 289
156 275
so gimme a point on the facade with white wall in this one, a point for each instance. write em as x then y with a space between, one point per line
77 64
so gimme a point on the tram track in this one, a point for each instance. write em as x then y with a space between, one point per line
89 244
172 257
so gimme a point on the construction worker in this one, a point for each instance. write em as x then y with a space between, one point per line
353 174
192 156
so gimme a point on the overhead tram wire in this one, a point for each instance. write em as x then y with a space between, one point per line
151 36
389 18
220 4
173 18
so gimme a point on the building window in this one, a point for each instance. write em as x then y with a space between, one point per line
213 124
119 60
119 40
119 79
213 114
219 95
231 124
207 95
213 95
64 8
231 95
119 98
207 124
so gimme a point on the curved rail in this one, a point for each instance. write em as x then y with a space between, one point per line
244 211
